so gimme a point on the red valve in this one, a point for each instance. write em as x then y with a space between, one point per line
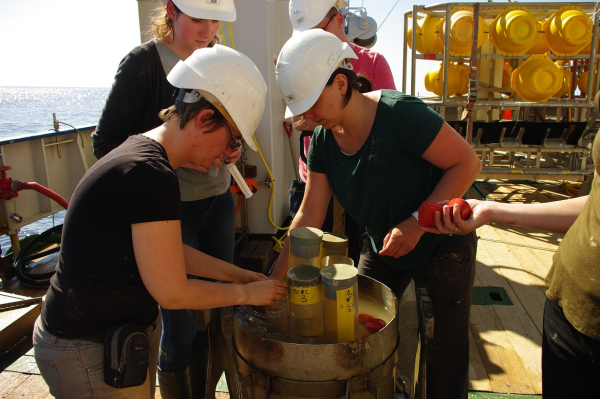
6 190
10 188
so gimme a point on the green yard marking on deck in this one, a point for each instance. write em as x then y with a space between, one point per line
490 296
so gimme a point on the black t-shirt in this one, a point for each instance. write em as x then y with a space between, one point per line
97 283
139 92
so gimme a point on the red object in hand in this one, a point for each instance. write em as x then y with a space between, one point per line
465 208
427 211
375 324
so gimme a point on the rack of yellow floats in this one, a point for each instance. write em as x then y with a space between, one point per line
521 84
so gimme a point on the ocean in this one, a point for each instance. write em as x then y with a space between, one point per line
25 110
29 109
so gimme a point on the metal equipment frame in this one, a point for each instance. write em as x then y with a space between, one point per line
515 149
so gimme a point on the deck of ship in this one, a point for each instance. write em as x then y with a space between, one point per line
506 325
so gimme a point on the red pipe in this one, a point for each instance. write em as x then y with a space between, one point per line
43 190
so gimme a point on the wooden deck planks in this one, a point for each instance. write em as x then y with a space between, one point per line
34 387
16 323
478 376
533 254
18 385
508 338
519 279
501 361
501 350
9 381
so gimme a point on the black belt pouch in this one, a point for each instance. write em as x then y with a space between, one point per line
126 356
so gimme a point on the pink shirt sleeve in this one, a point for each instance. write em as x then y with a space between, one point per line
374 66
303 168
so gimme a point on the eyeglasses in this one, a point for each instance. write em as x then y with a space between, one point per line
234 142
328 22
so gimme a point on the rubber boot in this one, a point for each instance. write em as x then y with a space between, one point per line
198 369
174 385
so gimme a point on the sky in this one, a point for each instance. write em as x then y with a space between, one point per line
66 43
79 43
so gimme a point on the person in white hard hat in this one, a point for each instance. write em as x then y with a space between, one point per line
390 153
327 15
140 90
122 253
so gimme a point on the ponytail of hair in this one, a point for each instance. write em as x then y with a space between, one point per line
357 82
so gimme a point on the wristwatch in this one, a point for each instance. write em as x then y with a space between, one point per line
415 214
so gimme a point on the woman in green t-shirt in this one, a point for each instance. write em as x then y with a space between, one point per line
383 153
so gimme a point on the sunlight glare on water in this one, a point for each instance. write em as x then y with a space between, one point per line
27 110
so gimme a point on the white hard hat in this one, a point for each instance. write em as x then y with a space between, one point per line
230 81
306 14
305 64
220 10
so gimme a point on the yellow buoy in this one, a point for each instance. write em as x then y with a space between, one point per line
540 46
461 31
566 83
537 79
568 31
458 82
588 48
430 44
514 31
426 42
507 70
582 82
418 39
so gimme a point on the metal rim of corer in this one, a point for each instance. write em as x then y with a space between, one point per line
275 369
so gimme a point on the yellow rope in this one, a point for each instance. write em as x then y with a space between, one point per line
230 35
278 242
222 34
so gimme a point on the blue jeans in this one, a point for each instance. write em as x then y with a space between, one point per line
74 368
209 226
448 277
